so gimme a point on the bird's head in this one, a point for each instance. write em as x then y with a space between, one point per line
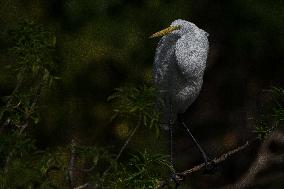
179 27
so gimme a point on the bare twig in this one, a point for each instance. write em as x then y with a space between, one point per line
37 95
217 160
82 186
88 169
129 138
71 167
124 145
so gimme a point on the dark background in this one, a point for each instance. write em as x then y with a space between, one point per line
104 44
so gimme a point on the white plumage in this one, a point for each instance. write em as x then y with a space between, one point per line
179 65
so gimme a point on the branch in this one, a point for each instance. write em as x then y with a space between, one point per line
180 176
263 160
129 138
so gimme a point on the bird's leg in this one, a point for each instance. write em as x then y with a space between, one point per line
171 124
205 158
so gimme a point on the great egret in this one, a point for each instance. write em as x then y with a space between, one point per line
179 65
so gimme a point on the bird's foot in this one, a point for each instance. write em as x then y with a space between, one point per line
177 178
210 168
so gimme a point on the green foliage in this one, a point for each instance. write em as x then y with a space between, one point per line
22 146
24 171
274 113
143 171
49 169
261 129
130 103
19 110
97 158
23 166
31 168
278 109
109 40
33 47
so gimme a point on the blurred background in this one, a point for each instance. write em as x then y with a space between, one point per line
102 45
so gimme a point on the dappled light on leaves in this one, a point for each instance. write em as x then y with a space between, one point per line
130 102
122 130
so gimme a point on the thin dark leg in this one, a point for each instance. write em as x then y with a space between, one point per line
181 119
171 144
171 123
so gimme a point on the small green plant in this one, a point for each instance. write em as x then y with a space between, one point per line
278 109
143 170
131 103
261 130
32 47
273 113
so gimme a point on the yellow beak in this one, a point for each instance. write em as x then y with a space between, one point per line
165 31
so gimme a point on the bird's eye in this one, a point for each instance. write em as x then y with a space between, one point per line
177 27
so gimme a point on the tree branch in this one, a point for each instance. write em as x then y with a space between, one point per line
82 186
180 176
217 160
263 160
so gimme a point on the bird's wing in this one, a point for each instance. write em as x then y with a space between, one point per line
164 54
162 73
191 54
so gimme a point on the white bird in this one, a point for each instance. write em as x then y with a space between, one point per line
179 65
